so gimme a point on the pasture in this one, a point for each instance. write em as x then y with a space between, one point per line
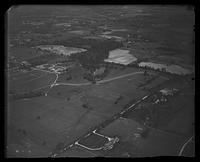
30 81
156 143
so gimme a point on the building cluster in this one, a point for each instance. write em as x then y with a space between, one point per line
163 95
57 68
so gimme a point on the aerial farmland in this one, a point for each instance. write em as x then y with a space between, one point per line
100 81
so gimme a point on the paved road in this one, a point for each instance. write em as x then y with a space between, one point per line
99 82
118 77
184 145
73 84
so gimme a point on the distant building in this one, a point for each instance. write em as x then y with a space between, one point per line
167 92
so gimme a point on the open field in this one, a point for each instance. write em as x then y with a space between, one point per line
172 114
24 76
50 123
155 144
69 117
24 53
32 83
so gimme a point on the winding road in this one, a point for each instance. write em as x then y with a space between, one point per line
184 145
55 83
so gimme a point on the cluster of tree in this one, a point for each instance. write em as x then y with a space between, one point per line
89 76
102 75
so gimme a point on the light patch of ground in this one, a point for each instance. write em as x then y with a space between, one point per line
79 32
107 32
111 37
114 30
60 49
174 69
63 24
120 56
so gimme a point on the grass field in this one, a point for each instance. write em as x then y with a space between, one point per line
170 116
24 84
155 144
24 53
21 77
50 120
